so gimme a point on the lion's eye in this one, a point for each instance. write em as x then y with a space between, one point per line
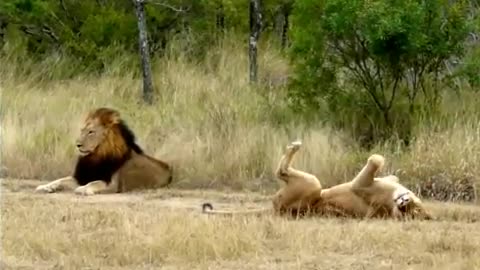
90 132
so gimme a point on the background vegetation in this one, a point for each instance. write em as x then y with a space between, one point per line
347 77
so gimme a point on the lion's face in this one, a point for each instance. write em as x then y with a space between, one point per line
403 200
92 134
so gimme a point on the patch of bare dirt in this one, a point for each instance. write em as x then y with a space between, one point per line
168 198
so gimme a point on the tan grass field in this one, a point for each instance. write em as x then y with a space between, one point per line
221 134
165 229
216 129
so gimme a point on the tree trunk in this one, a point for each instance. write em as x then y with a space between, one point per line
286 15
255 29
278 24
3 30
282 24
220 17
144 52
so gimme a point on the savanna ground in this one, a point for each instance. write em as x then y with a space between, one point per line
224 138
166 230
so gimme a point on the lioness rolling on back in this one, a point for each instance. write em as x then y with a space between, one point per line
366 196
109 159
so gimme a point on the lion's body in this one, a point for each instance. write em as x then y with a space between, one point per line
365 196
154 173
110 160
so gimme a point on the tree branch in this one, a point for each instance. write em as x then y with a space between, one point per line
36 32
360 71
162 4
394 92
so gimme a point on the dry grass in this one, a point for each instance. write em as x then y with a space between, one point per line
215 128
218 132
164 229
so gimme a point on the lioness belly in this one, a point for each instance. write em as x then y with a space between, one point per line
346 200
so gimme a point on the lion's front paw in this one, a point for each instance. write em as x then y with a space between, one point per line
47 188
84 190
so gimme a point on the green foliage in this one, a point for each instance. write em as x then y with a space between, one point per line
308 48
95 32
86 30
470 70
365 66
371 60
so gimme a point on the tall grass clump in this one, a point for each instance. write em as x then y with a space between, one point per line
208 121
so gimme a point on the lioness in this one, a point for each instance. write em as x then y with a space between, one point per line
366 196
109 160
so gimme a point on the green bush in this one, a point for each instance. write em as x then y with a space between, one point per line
369 64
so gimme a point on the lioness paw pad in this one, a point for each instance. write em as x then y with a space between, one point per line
295 145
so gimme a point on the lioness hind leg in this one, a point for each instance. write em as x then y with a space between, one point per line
285 171
298 183
287 158
366 176
98 187
56 185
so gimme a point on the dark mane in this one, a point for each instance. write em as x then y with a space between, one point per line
129 137
90 168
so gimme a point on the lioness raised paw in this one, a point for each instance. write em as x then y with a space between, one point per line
294 146
84 190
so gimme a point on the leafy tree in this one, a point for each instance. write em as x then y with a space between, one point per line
375 56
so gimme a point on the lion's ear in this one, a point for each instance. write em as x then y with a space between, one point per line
114 118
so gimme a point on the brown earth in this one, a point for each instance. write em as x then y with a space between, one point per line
164 229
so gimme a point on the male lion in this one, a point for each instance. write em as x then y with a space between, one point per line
366 196
109 159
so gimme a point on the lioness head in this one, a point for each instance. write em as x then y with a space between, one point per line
100 130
